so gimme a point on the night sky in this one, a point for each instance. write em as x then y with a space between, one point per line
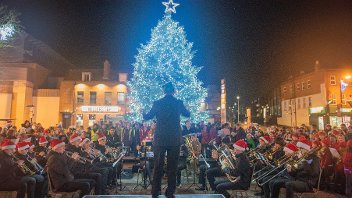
253 44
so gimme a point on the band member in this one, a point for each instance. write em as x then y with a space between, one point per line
11 176
41 151
22 154
347 162
300 177
167 137
289 149
242 171
59 171
182 163
83 169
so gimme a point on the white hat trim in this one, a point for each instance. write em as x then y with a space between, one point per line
263 138
44 142
238 147
23 147
304 146
286 149
75 139
84 141
58 145
8 147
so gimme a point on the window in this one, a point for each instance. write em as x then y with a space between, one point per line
86 76
304 103
332 80
80 97
298 86
298 103
332 98
93 97
343 99
303 85
285 89
309 101
107 98
120 98
309 85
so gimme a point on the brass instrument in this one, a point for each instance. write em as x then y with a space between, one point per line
38 168
226 162
188 144
24 169
292 161
81 159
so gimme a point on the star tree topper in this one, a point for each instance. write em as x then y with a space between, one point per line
170 6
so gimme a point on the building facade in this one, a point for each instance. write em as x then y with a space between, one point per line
317 98
91 96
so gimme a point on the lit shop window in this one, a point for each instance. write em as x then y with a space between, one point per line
79 119
91 119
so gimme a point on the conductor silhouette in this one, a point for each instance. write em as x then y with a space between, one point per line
167 138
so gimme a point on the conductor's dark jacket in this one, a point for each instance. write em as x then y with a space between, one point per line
167 112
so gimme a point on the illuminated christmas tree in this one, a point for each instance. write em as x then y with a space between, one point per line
167 57
9 24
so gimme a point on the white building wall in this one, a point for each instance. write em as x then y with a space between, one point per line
302 111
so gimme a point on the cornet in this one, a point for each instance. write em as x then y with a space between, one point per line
81 159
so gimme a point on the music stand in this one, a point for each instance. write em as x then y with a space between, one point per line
194 174
120 158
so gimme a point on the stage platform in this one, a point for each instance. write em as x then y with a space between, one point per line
161 196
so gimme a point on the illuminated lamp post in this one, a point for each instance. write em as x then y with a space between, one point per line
238 109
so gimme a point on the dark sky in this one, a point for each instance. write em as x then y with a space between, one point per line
253 44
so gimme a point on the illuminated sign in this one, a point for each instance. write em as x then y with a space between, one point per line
101 109
346 110
316 109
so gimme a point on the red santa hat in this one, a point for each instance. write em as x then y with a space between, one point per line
101 136
265 139
42 140
56 143
321 133
7 144
83 141
75 137
22 146
240 145
317 143
305 144
290 148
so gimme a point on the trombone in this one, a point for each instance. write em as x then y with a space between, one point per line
38 168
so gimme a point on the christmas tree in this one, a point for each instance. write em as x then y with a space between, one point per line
167 57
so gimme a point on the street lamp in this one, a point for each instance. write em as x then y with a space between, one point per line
238 109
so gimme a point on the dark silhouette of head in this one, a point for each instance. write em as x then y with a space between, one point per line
169 88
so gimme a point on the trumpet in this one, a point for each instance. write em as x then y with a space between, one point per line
81 159
24 169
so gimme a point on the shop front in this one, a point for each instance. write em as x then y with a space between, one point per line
89 115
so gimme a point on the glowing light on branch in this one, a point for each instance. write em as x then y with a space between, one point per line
6 31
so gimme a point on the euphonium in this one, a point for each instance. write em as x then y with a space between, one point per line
24 169
38 168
